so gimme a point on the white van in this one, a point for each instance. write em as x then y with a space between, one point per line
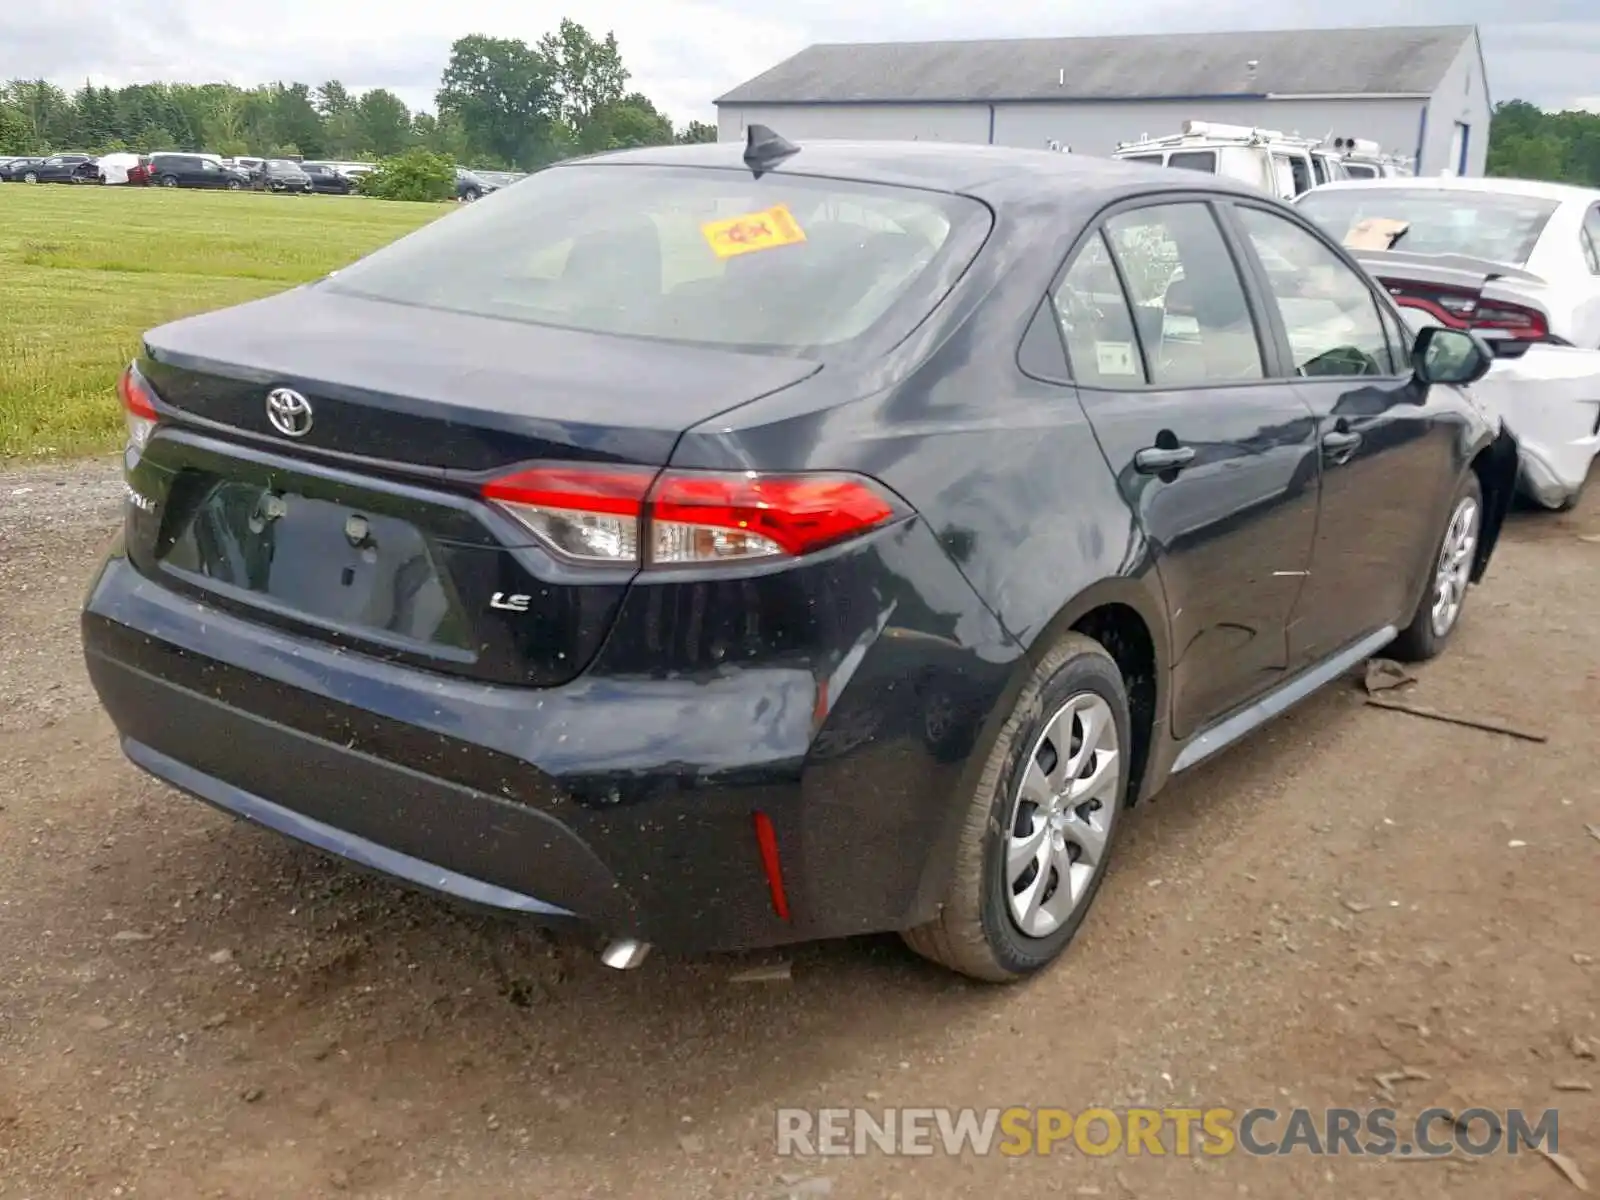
1280 163
1365 159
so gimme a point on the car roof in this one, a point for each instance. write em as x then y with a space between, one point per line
998 174
1533 188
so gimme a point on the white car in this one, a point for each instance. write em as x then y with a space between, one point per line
1517 261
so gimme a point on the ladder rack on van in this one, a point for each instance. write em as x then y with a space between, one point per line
1212 133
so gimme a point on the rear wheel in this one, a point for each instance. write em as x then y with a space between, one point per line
1039 828
1439 610
470 195
169 181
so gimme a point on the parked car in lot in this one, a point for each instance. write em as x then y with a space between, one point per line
718 546
51 168
16 170
327 179
195 171
282 175
473 185
1517 261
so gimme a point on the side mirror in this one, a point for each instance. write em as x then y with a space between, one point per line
1453 356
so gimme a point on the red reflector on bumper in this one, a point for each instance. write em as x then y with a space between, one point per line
767 840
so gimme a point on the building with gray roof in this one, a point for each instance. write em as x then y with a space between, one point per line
1417 91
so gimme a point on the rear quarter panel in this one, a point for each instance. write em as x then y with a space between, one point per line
1004 468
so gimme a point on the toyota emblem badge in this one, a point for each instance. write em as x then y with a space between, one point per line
289 412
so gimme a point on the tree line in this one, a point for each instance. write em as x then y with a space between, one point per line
1525 142
501 103
504 103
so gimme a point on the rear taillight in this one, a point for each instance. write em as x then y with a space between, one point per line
629 516
138 408
1466 310
1525 323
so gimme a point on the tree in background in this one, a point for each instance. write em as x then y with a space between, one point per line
443 134
588 75
383 123
45 110
696 131
503 96
15 136
619 124
1525 142
294 120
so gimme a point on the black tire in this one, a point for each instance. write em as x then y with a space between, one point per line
234 185
169 181
975 932
30 177
470 195
1423 639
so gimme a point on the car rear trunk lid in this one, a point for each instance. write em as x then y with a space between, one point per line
368 530
434 389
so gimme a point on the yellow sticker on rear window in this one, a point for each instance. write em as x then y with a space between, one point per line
765 230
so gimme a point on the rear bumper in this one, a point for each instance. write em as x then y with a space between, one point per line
621 805
1552 475
342 842
1550 399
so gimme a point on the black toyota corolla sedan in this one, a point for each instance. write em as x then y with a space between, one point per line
722 546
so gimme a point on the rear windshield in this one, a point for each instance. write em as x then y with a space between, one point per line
782 263
282 164
1488 225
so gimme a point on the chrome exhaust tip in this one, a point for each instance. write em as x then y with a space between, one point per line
625 954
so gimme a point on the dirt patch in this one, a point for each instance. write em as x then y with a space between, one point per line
189 1007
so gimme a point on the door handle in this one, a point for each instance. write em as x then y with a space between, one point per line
1153 460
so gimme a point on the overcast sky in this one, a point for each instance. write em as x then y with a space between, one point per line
684 54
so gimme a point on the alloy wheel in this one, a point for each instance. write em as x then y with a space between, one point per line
1061 815
1455 565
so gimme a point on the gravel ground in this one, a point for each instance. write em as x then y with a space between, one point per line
189 1007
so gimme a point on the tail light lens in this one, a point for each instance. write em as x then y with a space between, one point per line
1519 322
138 409
1466 310
628 516
589 515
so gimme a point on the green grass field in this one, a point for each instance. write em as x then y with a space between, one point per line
84 271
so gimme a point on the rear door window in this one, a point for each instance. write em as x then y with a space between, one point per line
1189 303
1591 239
1096 322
